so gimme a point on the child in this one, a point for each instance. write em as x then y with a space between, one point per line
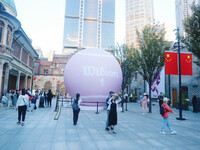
165 109
144 103
4 100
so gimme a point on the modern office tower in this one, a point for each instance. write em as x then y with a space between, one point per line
182 12
138 14
89 23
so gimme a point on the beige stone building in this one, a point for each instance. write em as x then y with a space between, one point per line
50 74
16 52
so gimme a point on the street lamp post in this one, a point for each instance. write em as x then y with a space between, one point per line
179 73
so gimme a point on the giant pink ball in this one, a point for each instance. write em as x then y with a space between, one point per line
93 73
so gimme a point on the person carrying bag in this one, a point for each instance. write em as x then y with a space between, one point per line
21 106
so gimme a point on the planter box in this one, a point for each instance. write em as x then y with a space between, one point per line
184 107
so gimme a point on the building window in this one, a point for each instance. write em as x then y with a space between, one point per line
45 71
56 66
1 31
9 32
135 76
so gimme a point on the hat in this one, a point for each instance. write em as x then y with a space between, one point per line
165 99
145 93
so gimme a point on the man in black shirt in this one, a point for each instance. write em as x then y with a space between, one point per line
194 102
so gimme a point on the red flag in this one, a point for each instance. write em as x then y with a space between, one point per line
186 64
171 63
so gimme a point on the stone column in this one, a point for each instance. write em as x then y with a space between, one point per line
28 60
6 78
25 83
21 53
30 83
1 73
18 80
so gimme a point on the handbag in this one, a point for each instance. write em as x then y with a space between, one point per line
25 102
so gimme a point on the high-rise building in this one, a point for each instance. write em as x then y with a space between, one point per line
89 23
138 14
183 10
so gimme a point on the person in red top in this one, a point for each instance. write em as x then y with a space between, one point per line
166 121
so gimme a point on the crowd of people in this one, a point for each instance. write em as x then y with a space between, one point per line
24 101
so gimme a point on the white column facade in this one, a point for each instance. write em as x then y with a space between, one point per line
1 74
6 78
18 80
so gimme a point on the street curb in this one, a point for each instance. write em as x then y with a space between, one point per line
58 113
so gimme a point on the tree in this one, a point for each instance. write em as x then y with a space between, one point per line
122 54
149 57
192 30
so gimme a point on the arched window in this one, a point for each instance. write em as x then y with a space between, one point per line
9 33
1 31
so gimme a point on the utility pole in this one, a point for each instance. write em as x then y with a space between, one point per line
179 73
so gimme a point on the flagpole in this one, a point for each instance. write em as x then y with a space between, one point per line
179 73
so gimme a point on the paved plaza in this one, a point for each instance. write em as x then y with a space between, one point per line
135 131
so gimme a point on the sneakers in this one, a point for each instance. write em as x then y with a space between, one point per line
173 132
109 132
114 132
162 132
18 122
22 124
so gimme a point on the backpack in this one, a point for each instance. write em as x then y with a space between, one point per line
162 110
75 105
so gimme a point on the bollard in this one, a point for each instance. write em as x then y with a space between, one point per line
56 105
62 101
126 106
97 108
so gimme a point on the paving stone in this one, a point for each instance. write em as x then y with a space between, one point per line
134 130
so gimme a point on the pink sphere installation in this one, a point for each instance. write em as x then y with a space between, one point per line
93 73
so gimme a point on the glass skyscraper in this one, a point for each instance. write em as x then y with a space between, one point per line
89 23
183 11
138 14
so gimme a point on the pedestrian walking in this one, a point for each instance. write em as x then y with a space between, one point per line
131 96
15 97
160 99
33 103
21 106
194 102
125 97
42 98
4 100
29 92
141 99
113 101
29 102
108 110
144 103
76 108
9 97
49 97
45 98
164 111
37 99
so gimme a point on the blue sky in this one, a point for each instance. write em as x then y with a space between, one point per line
43 20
